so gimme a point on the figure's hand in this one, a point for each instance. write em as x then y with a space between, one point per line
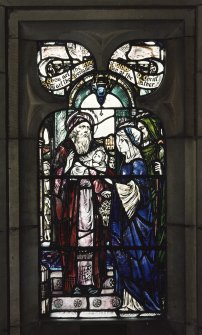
79 170
93 172
85 183
158 168
69 161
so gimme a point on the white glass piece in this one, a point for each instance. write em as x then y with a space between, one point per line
129 315
46 186
149 314
140 52
44 273
58 51
107 291
64 315
38 58
144 92
77 51
70 303
46 136
46 171
41 228
104 118
42 276
49 43
121 52
150 43
97 315
110 102
41 195
105 128
59 92
45 244
44 306
162 54
106 303
56 274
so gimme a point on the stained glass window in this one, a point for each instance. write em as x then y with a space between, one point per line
102 184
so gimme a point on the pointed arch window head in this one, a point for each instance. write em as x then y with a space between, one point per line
102 184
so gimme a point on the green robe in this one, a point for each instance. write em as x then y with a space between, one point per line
152 153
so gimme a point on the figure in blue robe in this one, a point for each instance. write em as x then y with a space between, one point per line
132 230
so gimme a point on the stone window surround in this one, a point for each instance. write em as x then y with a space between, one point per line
178 112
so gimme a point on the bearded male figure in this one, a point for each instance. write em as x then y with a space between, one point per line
77 195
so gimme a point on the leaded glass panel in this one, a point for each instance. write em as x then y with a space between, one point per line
102 192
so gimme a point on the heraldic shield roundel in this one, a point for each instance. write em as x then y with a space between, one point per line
102 184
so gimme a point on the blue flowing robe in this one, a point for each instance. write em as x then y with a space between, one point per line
136 271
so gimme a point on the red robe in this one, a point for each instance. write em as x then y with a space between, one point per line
66 211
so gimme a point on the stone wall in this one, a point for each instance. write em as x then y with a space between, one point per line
24 105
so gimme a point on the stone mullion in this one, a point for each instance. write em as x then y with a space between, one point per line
199 163
13 188
3 183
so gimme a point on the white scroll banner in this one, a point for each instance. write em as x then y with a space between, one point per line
123 70
82 68
148 82
63 80
57 82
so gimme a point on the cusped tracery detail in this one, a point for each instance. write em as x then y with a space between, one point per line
60 64
140 63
